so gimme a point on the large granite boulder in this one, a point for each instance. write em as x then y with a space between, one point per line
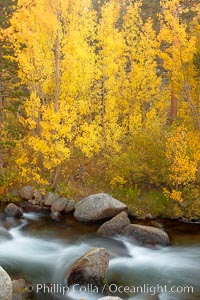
5 235
98 207
5 285
50 198
26 192
147 234
115 226
59 204
90 268
13 210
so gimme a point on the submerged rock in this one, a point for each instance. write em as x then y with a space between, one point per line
115 226
90 268
13 210
26 192
147 234
98 207
5 235
11 222
5 285
56 216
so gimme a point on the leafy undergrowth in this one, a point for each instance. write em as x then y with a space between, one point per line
141 203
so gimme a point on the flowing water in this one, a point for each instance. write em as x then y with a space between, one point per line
42 251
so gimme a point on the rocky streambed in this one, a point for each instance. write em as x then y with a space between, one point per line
45 254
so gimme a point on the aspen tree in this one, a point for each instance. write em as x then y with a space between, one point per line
111 76
177 50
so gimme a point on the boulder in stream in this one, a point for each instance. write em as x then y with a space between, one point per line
98 207
115 226
31 206
27 192
147 234
13 210
90 268
5 285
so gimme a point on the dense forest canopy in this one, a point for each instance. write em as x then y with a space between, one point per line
101 95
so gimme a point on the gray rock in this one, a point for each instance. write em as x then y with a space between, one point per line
5 235
90 268
38 196
28 207
59 205
26 192
115 226
98 207
5 285
11 222
70 206
147 234
13 210
50 198
110 298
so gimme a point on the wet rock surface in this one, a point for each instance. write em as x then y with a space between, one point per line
90 268
5 285
115 226
147 234
5 235
13 210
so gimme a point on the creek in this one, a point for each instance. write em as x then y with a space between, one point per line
42 250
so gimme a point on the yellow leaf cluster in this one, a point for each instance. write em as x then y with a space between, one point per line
183 163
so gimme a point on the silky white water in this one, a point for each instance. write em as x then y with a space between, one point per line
43 254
